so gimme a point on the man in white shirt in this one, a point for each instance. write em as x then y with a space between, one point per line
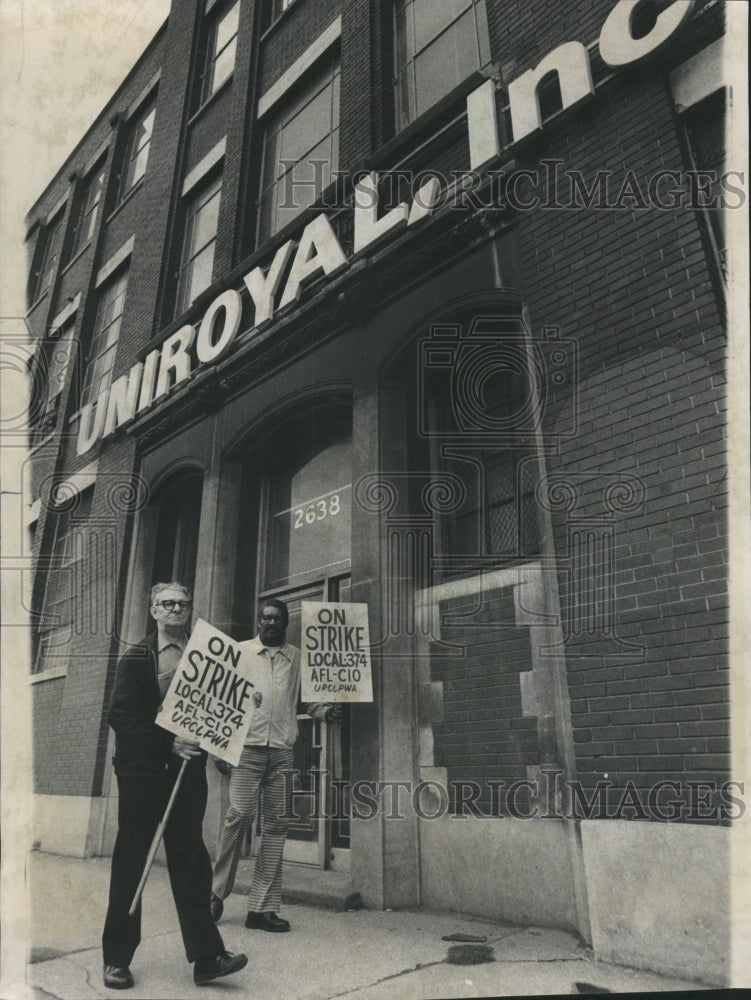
264 771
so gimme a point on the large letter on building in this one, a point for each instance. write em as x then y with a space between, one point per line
482 122
148 380
319 250
571 62
123 398
618 47
228 303
89 434
263 287
368 227
175 358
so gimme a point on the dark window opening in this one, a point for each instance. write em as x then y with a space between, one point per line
49 374
176 550
137 151
220 51
91 202
48 253
474 415
100 358
65 586
199 243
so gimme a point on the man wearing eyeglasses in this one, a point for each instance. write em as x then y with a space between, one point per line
147 761
264 771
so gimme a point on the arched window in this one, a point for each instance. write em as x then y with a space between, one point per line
176 549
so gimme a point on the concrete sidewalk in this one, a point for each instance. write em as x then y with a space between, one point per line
359 954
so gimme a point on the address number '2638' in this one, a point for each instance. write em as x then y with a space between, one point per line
317 511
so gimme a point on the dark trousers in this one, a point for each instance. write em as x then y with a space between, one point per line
141 807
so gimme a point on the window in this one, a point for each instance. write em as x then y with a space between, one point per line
498 516
436 46
50 373
220 52
101 356
176 546
301 150
477 410
274 9
197 266
309 533
137 152
89 210
64 588
50 255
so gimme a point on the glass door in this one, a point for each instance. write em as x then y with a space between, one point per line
306 520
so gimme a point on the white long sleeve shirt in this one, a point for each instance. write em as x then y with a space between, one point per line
275 672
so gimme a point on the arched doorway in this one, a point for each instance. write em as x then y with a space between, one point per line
164 548
297 495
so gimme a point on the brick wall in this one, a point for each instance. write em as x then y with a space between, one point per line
291 35
46 700
73 722
637 291
358 49
483 735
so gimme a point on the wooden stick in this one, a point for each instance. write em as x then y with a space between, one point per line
156 841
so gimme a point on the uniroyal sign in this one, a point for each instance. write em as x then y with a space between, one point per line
318 252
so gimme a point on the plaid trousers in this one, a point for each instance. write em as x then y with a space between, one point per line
259 777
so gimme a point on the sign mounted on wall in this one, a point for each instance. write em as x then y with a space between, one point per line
317 252
209 699
335 652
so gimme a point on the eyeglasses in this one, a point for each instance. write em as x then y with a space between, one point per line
169 605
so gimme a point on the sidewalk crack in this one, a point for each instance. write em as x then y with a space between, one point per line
394 975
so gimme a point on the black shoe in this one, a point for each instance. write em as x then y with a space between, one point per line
117 977
217 908
223 964
267 921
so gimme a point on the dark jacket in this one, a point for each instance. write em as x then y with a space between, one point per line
142 748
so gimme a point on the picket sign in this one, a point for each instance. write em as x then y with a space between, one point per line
335 652
208 701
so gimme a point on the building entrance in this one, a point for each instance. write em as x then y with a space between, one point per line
306 524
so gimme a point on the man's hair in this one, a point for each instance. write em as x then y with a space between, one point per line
274 602
159 587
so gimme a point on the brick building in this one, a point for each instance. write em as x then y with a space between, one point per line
416 305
